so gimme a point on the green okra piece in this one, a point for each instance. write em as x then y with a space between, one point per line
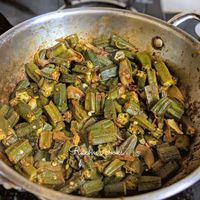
102 132
74 183
119 55
134 167
29 171
46 87
60 97
131 182
108 72
161 106
78 112
109 110
102 41
42 101
50 71
116 92
132 108
4 128
10 139
152 79
64 70
53 113
151 141
50 177
152 94
81 69
56 50
25 128
168 169
175 92
115 189
144 122
104 61
98 101
125 72
13 119
164 75
22 84
45 140
69 78
167 153
114 166
93 57
110 49
144 59
24 110
147 183
141 79
128 146
91 187
120 43
24 95
4 110
72 40
60 61
135 129
175 110
18 151
64 151
90 101
118 107
41 155
32 72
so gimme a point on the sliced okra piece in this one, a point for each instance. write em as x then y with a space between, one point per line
144 122
90 101
32 72
24 110
141 79
174 125
144 59
56 50
175 92
53 113
4 128
74 93
40 58
152 94
120 43
24 129
69 78
109 110
60 97
18 151
115 189
102 132
122 119
64 151
45 140
72 40
50 177
134 167
114 166
164 75
168 153
29 171
91 187
74 183
147 183
175 110
108 72
102 41
46 87
50 71
22 84
152 79
161 107
78 112
131 182
132 108
125 72
168 169
128 146
90 55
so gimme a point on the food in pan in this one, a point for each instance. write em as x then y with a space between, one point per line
96 119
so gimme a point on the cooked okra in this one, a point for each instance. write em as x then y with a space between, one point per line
96 118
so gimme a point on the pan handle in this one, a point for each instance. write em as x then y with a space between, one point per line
189 22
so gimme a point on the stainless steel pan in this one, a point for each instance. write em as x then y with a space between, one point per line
17 46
